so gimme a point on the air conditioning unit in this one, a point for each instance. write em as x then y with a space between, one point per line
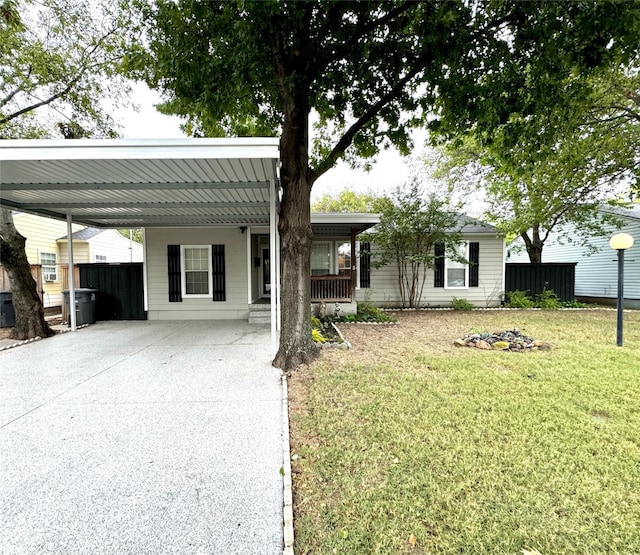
49 276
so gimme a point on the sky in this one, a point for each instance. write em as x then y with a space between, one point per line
390 169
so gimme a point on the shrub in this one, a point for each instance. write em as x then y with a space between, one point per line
518 299
317 336
316 324
548 300
461 304
368 312
574 304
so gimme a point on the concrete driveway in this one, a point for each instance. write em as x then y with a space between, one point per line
142 437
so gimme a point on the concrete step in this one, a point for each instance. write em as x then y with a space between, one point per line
260 313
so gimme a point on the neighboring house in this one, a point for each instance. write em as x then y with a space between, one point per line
597 274
100 246
46 245
481 282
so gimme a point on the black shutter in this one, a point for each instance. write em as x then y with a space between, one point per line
174 272
474 260
365 265
438 265
218 271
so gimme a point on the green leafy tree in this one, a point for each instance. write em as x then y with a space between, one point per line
410 227
577 163
346 201
370 71
58 60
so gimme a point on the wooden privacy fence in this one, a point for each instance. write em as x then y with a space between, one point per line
120 294
559 277
36 272
120 289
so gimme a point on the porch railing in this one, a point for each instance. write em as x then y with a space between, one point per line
331 288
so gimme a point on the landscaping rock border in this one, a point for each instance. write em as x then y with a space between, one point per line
509 340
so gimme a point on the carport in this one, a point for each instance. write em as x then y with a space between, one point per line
124 183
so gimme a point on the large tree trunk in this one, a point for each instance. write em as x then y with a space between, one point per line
534 246
296 344
30 320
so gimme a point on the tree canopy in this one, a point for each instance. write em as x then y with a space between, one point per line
59 62
59 66
579 160
411 225
370 71
346 201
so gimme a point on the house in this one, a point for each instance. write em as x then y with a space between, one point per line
209 210
596 273
46 249
481 282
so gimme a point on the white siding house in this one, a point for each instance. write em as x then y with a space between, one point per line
101 246
448 280
597 274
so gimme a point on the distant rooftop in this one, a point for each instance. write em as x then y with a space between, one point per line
83 234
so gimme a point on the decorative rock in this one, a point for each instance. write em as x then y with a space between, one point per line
500 345
510 340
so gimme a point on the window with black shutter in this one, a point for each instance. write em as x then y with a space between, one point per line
365 265
175 273
219 292
438 267
474 261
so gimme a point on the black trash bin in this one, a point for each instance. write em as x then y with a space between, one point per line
7 312
85 305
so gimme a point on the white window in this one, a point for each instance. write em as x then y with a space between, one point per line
320 259
101 258
48 262
196 271
457 273
344 257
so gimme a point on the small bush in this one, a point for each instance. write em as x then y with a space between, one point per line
461 304
548 300
574 304
317 336
518 299
316 324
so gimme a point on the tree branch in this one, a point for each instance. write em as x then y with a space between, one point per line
347 139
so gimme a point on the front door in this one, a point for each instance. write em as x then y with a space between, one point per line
265 278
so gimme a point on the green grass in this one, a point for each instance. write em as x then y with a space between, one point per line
422 448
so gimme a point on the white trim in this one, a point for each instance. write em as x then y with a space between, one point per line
275 289
504 267
466 269
130 149
249 266
145 273
183 272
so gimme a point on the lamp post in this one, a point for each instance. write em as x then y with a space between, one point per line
620 242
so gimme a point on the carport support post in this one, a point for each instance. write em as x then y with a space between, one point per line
274 278
72 289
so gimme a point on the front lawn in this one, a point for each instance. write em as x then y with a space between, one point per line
407 444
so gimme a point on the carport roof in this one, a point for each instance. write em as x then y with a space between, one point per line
120 183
